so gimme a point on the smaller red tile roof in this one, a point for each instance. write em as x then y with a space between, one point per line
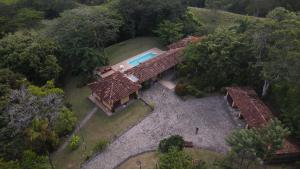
186 41
254 111
114 87
257 114
157 65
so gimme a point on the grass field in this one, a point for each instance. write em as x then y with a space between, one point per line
124 50
100 126
213 19
78 97
150 159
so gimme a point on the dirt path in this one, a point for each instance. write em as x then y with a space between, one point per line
87 117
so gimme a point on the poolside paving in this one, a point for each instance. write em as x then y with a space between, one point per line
171 116
125 65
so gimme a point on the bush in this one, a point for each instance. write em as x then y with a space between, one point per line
200 165
192 90
66 121
180 89
100 146
174 141
74 143
209 89
146 85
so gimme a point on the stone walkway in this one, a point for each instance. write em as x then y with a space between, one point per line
171 116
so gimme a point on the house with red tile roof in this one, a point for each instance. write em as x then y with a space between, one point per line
257 114
115 87
114 90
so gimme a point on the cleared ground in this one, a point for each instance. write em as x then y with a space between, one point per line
171 116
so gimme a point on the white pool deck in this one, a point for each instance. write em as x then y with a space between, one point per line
124 64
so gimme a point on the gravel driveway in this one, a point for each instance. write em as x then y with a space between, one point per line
170 116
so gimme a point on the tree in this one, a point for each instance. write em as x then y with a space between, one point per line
51 8
27 18
277 49
66 121
142 17
83 34
8 81
40 137
257 143
287 97
281 14
30 118
173 141
30 55
170 32
90 59
175 159
222 59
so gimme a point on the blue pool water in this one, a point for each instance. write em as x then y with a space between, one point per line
142 58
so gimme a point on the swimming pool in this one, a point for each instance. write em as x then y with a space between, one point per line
142 58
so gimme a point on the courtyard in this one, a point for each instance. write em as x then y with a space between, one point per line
171 116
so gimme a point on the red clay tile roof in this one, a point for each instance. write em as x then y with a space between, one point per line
256 114
114 87
290 146
254 111
184 42
157 65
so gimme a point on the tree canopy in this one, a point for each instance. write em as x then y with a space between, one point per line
83 34
29 54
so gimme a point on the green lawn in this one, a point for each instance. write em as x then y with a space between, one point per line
124 50
78 97
149 160
100 126
213 19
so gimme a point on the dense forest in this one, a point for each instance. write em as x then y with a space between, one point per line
44 41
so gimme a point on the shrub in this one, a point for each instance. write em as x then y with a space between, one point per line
192 90
66 121
175 159
74 143
180 89
209 89
100 146
174 141
200 165
146 85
